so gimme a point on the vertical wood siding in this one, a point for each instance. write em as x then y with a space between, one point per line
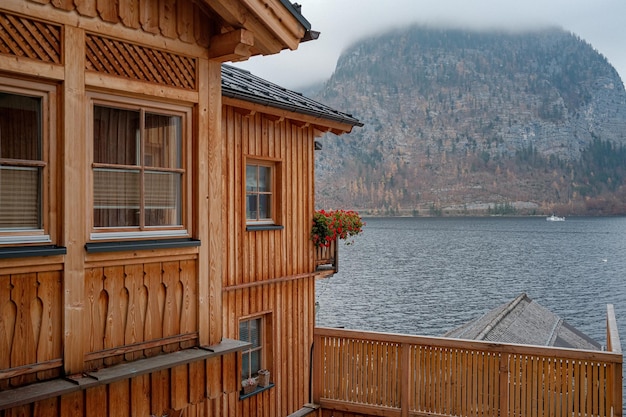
147 308
30 327
269 272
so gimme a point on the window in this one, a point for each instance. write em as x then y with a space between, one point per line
252 359
138 170
260 192
24 162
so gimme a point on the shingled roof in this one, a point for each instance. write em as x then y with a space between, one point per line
523 321
241 84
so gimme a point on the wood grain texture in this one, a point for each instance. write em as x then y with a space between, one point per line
447 377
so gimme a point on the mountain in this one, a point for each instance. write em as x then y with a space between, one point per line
462 122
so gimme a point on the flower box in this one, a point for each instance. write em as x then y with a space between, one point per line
264 378
249 385
330 225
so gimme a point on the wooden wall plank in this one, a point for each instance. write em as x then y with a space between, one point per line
167 18
46 408
179 387
119 398
49 345
149 16
116 310
107 10
73 404
87 7
169 310
197 382
96 402
24 349
184 23
135 316
156 299
160 390
189 307
140 394
129 13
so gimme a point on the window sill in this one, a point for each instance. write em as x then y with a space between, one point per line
261 227
258 390
126 245
31 251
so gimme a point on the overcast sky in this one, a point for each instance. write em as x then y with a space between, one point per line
602 23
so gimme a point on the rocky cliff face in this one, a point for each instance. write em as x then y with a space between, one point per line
460 122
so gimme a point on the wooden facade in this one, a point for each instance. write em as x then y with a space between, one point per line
138 320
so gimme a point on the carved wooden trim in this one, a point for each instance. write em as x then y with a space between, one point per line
30 38
123 59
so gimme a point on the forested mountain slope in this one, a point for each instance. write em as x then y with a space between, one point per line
464 122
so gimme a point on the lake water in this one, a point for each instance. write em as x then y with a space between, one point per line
425 276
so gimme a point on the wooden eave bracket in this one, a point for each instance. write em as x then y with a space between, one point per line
235 45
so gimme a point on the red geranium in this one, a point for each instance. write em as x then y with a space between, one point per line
334 224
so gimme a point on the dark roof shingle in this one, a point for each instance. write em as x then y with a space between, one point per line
241 84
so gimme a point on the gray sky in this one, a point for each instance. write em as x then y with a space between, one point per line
602 23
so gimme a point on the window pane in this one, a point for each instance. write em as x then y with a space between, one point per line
250 331
20 127
255 332
162 141
245 366
116 198
265 206
251 178
252 206
265 179
163 200
255 362
116 136
20 198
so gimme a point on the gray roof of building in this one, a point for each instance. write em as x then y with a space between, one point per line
523 321
241 84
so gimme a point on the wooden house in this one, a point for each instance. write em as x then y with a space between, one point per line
155 209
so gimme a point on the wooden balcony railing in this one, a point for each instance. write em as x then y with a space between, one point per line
327 259
364 373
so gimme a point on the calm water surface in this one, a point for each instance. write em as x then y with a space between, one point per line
426 276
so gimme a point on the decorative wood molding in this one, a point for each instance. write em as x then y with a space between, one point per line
124 59
30 38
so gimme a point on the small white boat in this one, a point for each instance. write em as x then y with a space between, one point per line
554 218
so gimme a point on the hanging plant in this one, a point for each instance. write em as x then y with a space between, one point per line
335 224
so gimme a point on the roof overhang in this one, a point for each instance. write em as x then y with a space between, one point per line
256 27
